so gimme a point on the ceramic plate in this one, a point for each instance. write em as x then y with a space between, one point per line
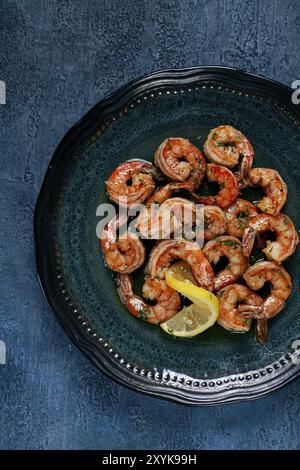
217 366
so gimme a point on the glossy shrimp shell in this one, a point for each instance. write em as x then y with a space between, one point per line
231 298
181 161
274 187
214 222
132 182
238 215
225 145
231 248
121 254
228 183
281 286
286 236
161 221
167 300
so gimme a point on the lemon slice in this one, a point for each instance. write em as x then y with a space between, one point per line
197 317
182 272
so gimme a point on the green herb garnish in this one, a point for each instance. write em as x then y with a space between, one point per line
229 243
242 215
144 313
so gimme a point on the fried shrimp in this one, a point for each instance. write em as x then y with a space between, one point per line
225 145
231 248
228 183
231 298
214 222
122 254
274 187
165 201
161 221
238 215
281 286
165 252
181 161
286 236
167 299
132 182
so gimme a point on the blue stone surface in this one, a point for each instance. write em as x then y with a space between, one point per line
59 58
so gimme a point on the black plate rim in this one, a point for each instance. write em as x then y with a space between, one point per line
168 384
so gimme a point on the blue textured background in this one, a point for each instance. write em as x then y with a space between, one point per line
58 58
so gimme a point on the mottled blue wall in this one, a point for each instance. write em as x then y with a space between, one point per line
58 58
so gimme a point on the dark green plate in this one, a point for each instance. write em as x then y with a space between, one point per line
216 366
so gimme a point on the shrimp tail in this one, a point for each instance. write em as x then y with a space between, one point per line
256 311
250 311
244 171
135 304
262 330
248 241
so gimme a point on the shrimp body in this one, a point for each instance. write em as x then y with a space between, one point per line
281 286
230 299
178 215
165 192
181 161
285 243
231 248
225 145
122 254
214 222
142 185
274 187
229 186
159 222
167 299
165 252
237 216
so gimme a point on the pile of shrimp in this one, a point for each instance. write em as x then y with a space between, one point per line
232 227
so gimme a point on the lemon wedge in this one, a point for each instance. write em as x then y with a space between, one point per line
182 272
197 317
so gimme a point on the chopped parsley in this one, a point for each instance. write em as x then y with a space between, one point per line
241 215
242 225
144 313
229 243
